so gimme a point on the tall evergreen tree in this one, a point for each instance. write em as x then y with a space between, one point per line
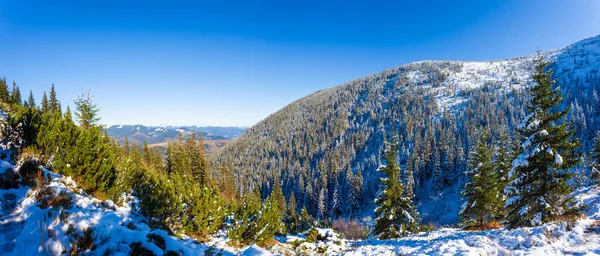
53 102
396 215
45 107
538 191
483 200
278 197
87 110
15 94
30 100
4 94
596 160
291 217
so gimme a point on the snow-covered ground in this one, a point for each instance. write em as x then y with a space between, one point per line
550 239
27 229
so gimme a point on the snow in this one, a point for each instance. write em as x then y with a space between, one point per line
548 239
254 250
558 160
5 166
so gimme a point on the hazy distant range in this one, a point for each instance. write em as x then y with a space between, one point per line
158 136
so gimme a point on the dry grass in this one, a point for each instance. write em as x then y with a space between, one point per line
48 197
268 243
351 229
84 242
485 226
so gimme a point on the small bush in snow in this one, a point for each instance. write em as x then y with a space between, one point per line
351 229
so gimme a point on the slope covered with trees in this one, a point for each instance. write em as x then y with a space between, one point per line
328 145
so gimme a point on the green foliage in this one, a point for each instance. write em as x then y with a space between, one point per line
255 221
396 215
87 110
538 192
483 199
596 159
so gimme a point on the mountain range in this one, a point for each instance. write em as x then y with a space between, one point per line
325 148
214 136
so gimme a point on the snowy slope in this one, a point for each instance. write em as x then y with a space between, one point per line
27 229
550 239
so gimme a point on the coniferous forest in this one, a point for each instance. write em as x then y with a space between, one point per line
475 146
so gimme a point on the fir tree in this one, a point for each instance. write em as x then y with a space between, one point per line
278 197
15 94
45 107
538 191
87 111
502 163
396 215
292 219
4 94
483 200
31 100
53 103
596 160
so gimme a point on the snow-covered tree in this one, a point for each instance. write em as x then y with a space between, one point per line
596 159
396 215
483 199
538 191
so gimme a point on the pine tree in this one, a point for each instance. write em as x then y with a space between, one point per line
44 105
292 219
502 163
483 200
396 215
278 197
538 191
87 111
4 94
53 103
31 100
15 94
596 160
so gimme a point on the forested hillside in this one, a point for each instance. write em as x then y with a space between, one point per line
325 148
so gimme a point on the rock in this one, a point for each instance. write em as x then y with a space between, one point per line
9 178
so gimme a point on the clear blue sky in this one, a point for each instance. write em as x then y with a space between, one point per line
236 62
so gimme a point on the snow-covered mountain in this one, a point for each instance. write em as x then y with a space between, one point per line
326 146
159 134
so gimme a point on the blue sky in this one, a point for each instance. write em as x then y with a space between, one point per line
236 62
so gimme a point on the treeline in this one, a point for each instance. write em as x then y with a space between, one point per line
176 192
524 185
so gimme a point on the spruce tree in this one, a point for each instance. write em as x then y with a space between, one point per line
4 94
15 94
45 107
395 214
53 103
596 160
483 200
31 100
291 217
87 111
278 197
538 191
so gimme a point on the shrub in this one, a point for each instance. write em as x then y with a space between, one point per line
157 240
138 249
84 242
47 197
351 229
485 226
29 171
